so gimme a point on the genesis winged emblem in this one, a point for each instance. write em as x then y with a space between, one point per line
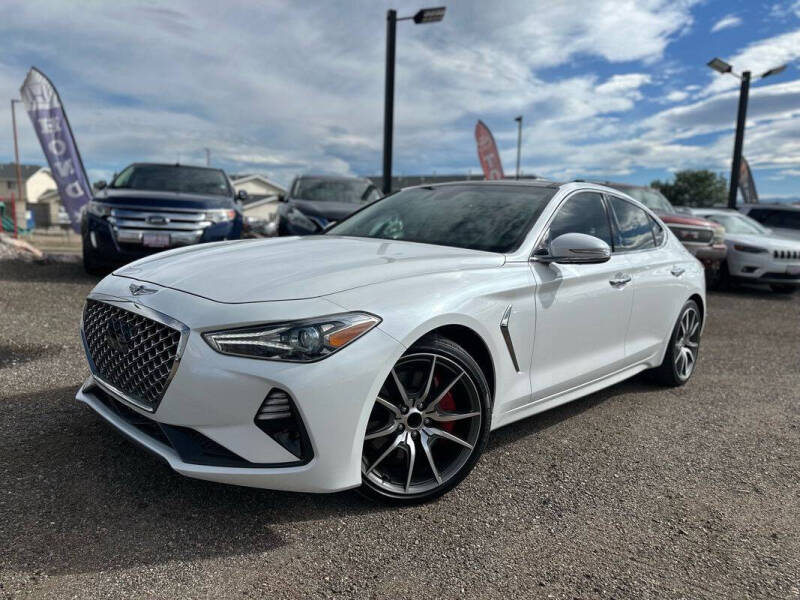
140 290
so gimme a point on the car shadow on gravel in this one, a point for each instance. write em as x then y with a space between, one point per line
530 426
44 272
79 497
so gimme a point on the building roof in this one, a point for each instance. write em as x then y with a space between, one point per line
241 178
9 171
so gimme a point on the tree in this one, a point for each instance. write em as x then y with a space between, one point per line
695 188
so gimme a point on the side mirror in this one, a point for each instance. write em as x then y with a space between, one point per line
242 195
574 249
100 185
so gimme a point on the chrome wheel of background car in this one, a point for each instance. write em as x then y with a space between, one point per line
687 343
424 426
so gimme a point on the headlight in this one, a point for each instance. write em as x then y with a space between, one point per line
750 249
98 209
294 341
219 216
686 235
719 235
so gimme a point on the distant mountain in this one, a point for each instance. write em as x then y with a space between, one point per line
780 199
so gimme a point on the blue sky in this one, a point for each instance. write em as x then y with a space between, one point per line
608 89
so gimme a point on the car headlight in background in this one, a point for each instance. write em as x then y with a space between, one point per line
220 216
98 209
719 235
749 249
295 341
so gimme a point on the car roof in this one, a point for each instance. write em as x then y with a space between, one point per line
773 206
155 164
715 211
334 178
538 183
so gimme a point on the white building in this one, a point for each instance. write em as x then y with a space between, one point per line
36 181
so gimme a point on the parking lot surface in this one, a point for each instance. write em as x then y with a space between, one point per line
633 492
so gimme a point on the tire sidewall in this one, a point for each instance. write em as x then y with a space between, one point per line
454 352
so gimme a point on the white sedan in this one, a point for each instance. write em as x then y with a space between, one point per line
382 353
756 254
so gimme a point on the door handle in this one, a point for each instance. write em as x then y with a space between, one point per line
620 279
677 271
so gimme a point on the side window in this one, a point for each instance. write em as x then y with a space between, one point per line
658 231
582 213
787 219
635 226
760 214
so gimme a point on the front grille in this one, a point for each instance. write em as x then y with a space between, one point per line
129 351
692 235
786 254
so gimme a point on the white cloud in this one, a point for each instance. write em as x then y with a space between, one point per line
677 96
726 22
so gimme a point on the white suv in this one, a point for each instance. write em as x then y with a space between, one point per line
755 253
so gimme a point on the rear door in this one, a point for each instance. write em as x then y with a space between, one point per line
582 311
656 273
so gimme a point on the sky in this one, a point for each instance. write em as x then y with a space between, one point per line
608 89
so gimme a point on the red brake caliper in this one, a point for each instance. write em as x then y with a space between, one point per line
446 404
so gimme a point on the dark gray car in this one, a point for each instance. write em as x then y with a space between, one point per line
316 201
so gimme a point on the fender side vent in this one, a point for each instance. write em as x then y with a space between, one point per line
279 419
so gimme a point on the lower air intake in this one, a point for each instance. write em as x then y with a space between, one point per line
278 418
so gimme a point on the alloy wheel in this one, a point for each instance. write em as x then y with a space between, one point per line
687 343
423 428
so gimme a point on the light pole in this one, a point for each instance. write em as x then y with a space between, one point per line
16 161
519 140
426 15
721 66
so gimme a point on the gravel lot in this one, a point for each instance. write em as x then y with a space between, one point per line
633 492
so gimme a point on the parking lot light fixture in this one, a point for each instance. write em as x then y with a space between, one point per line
425 15
774 71
429 15
721 66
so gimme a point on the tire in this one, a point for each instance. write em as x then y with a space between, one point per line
91 262
782 288
428 426
675 371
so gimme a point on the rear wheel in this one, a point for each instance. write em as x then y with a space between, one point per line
684 346
428 426
782 288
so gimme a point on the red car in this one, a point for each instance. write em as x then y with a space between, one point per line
703 238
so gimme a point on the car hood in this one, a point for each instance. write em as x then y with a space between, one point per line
293 268
681 219
770 242
330 211
148 198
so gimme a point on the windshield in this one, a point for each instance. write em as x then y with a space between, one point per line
651 199
173 178
738 223
494 219
334 190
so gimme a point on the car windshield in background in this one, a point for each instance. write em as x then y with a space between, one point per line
738 223
168 178
651 199
494 219
328 190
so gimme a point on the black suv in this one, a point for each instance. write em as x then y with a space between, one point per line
151 207
783 219
316 201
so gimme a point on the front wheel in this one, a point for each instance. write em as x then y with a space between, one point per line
428 426
684 346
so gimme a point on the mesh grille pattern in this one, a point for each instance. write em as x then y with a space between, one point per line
131 352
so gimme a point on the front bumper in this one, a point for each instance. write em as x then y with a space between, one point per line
218 396
763 268
126 246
